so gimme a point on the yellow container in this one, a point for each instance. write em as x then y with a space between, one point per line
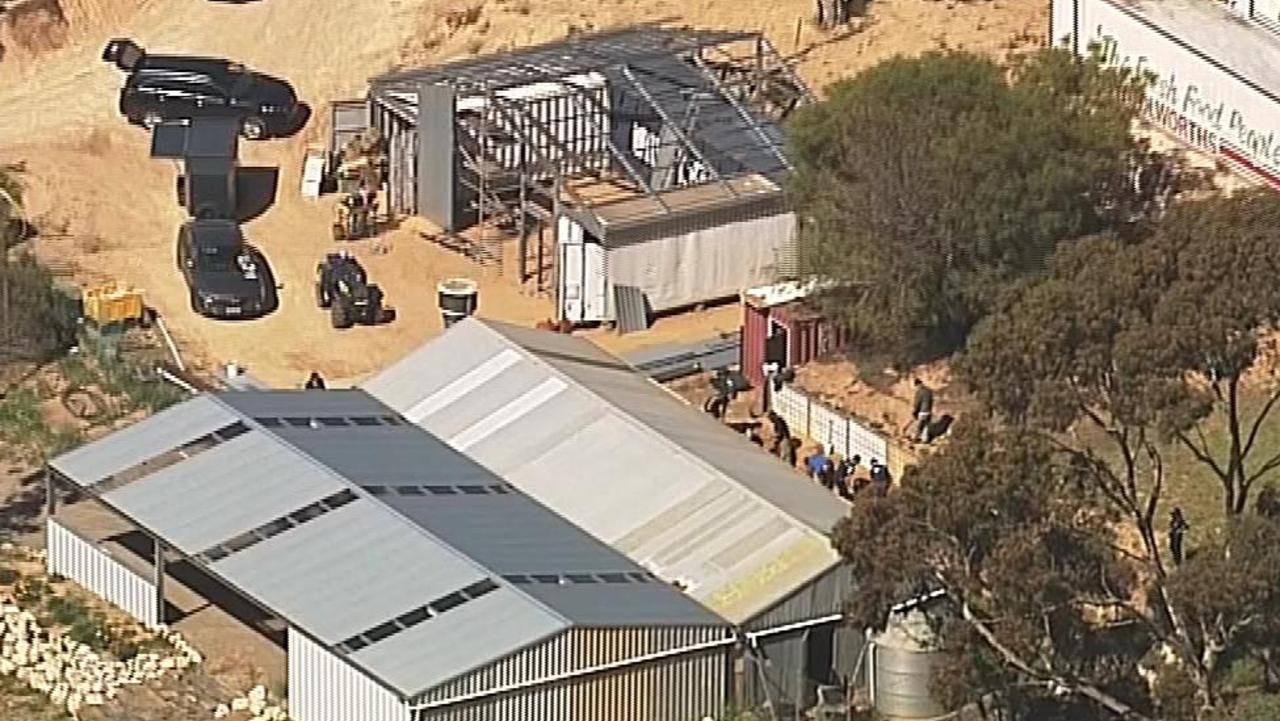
112 302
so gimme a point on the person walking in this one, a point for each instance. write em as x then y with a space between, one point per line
1178 528
781 434
314 382
879 478
922 412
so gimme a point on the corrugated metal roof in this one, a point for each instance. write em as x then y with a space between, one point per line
220 493
164 431
623 459
364 567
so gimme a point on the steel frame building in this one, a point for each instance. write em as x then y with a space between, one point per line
609 141
415 584
676 491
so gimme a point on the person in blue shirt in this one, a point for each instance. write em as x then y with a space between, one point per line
817 465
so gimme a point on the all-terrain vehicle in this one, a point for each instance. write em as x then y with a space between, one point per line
343 287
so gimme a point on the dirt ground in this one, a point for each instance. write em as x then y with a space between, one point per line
110 210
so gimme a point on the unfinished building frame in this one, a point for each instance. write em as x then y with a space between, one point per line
506 145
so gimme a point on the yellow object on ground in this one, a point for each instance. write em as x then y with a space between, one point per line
112 302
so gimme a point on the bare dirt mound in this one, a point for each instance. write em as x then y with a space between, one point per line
29 28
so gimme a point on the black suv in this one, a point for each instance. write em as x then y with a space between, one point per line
226 278
175 87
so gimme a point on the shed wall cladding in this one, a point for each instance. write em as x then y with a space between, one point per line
85 563
751 350
1203 99
795 664
323 687
703 264
685 687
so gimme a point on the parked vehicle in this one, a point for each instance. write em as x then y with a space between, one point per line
176 87
343 287
222 273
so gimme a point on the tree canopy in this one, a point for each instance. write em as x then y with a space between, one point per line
925 185
36 322
1127 351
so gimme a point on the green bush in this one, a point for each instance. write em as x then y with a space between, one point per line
92 632
9 576
67 611
32 592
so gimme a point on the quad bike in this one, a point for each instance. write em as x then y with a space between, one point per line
343 288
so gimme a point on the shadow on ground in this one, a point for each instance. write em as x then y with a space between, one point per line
208 588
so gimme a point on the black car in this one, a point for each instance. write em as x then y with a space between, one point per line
225 277
175 87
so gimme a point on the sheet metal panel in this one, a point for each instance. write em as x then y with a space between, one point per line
712 511
224 491
437 162
686 687
146 439
349 570
436 650
324 687
91 566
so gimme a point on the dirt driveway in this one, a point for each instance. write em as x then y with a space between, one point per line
90 178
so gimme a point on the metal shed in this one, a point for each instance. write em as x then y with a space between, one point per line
677 492
567 135
415 584
780 327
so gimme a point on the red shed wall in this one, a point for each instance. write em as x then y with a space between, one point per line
755 330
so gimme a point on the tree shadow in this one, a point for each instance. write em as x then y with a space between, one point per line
256 189
21 511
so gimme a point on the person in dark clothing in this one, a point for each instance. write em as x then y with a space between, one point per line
314 382
844 473
781 434
1178 528
789 451
879 478
922 412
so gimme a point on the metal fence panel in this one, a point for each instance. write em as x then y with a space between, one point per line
323 687
87 564
838 433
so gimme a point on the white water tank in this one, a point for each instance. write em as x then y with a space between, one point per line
902 660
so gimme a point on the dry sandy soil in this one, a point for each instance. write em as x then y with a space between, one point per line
89 176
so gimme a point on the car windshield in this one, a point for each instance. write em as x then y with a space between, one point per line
216 259
241 82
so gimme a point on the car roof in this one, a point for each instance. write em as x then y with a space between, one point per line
185 63
215 232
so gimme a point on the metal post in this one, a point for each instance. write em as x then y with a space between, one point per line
50 493
524 231
158 578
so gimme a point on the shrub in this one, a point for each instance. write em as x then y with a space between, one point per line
31 592
9 576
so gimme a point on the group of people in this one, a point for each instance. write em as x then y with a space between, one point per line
837 475
841 476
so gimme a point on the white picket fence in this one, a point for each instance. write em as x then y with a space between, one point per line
93 567
838 433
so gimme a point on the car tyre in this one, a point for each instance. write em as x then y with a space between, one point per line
339 316
322 298
151 119
252 128
195 303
